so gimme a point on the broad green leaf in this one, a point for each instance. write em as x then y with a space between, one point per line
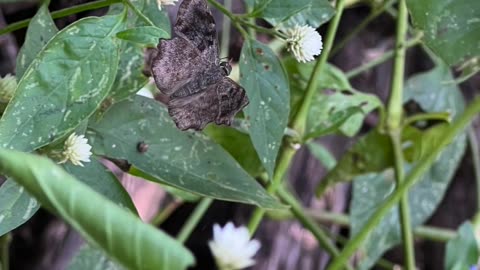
239 145
100 179
463 251
264 79
186 160
16 206
451 27
117 231
143 35
316 13
64 85
369 191
40 30
92 259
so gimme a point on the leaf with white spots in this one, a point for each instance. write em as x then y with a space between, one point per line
40 30
64 85
314 14
451 27
263 77
369 191
186 160
101 222
16 206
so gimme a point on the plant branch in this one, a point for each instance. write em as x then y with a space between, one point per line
61 13
230 15
443 116
420 168
385 57
4 251
472 139
226 29
194 218
165 213
373 14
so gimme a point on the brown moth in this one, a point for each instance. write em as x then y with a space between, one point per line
188 70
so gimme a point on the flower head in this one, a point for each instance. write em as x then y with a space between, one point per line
76 149
232 247
304 42
161 3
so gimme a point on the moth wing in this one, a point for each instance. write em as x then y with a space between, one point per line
196 24
175 64
217 103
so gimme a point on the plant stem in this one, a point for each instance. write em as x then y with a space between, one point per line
472 139
165 213
299 120
194 218
443 116
61 13
4 251
385 57
232 17
394 126
270 31
226 25
298 211
420 168
373 14
286 156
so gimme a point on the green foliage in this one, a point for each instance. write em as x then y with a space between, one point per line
370 190
264 79
98 220
463 251
451 28
91 258
143 35
186 160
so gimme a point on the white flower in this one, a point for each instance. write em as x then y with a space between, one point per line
304 42
161 3
76 149
145 92
232 247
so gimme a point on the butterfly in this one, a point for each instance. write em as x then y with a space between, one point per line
188 70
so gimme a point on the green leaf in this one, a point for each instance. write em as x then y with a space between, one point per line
16 206
451 27
280 10
230 139
369 191
264 79
144 35
100 179
64 85
92 258
102 223
40 30
316 13
463 251
185 160
322 154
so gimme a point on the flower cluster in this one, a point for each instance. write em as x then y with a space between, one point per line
304 42
232 247
76 150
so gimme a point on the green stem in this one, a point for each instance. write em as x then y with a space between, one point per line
394 125
385 57
472 139
298 211
443 116
226 25
420 168
300 117
194 218
61 13
165 213
373 14
270 31
138 12
232 17
283 164
405 222
4 251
